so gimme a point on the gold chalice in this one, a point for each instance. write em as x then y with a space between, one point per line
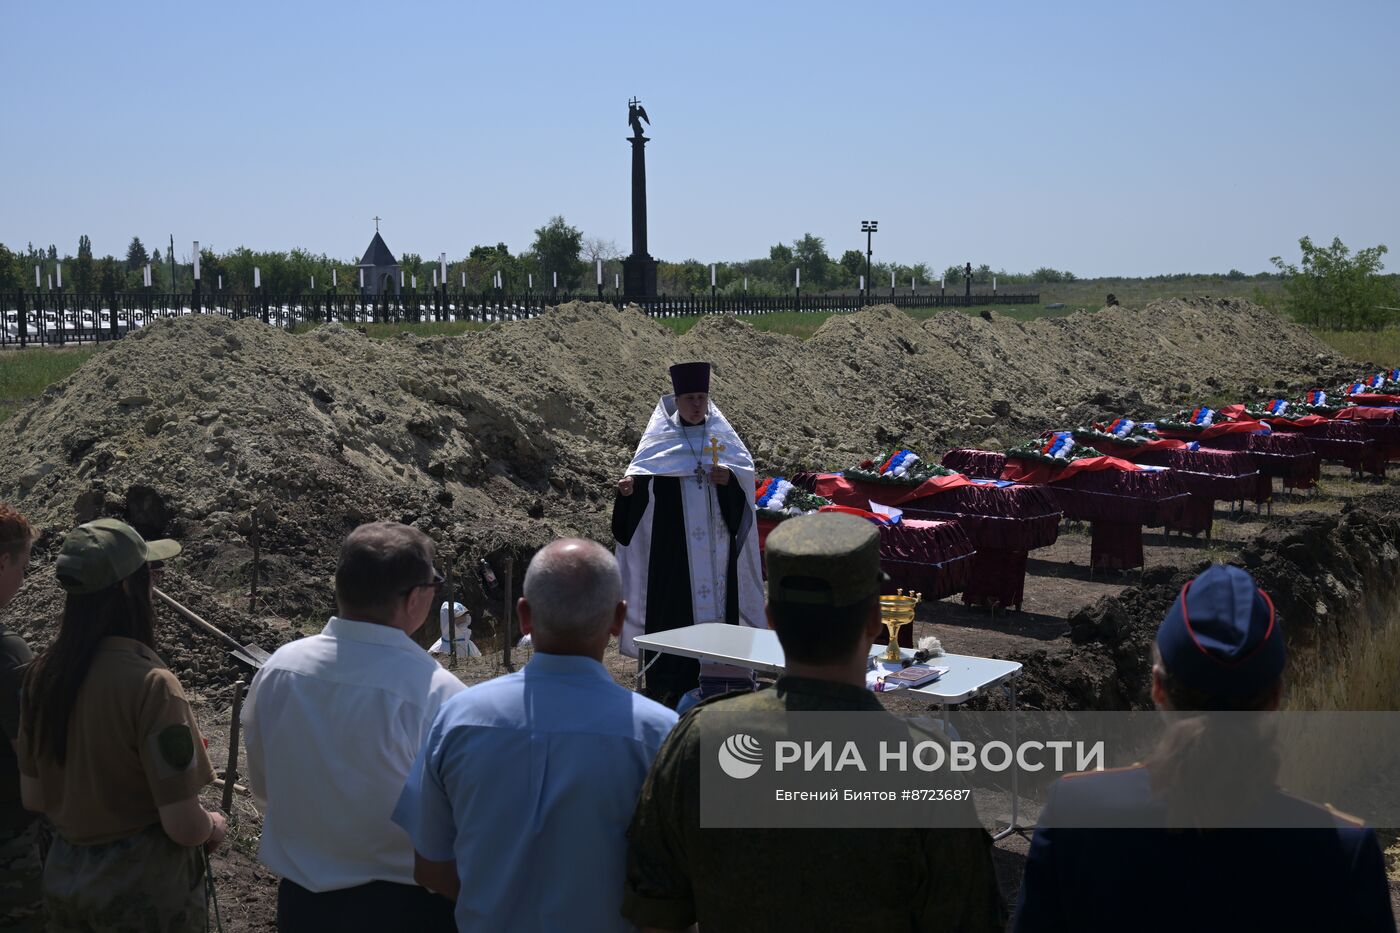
896 611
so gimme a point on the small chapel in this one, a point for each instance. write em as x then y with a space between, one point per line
379 269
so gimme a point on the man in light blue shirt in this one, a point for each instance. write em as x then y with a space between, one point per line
519 801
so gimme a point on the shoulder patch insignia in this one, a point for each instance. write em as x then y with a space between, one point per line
176 746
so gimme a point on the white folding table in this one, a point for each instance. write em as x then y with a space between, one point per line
758 649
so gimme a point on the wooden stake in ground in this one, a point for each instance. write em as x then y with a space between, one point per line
509 588
253 593
231 773
451 612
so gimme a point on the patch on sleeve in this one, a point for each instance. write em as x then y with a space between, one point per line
175 747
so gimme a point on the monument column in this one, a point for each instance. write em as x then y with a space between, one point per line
638 269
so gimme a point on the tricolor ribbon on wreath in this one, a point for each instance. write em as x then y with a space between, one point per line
1121 427
1059 445
1202 417
1316 397
899 463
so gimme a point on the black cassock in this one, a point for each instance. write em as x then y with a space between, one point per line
668 570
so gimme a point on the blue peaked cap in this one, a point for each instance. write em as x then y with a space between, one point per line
1221 635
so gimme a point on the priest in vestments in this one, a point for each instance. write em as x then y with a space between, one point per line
687 539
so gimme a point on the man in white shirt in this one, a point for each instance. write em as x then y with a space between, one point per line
332 724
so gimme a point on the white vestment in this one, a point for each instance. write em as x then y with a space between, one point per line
668 448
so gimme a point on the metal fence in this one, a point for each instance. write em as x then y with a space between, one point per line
61 318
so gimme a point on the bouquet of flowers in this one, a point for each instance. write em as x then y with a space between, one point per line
1118 431
1275 408
777 499
1197 419
1316 401
901 468
1059 447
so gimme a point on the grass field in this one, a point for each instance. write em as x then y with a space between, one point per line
26 373
1381 347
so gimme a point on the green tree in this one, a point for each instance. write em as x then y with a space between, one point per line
136 256
557 248
83 275
809 253
1337 289
853 262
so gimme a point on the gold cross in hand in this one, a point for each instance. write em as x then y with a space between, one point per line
714 449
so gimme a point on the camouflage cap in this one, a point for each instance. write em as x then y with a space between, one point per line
826 559
104 552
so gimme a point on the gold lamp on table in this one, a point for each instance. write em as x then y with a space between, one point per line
897 611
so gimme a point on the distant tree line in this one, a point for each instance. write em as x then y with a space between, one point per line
1332 288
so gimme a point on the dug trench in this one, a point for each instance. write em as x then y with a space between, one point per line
497 441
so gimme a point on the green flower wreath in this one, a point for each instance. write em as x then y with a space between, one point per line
1030 450
801 500
869 471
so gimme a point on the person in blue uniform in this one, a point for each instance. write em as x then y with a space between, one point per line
1299 866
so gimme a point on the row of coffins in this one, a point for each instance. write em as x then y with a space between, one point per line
967 525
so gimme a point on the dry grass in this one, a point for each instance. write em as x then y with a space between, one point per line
1381 347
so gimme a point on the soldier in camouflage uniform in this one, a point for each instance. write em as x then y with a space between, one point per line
110 752
21 903
823 585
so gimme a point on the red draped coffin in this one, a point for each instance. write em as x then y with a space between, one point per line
934 558
1003 521
1112 494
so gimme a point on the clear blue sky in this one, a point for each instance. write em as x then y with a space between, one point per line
1119 137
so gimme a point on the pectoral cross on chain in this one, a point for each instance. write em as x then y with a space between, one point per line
699 474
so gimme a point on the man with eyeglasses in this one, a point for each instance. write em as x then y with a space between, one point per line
332 723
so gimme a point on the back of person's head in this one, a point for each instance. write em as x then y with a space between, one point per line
823 584
380 563
573 589
15 533
1220 646
15 539
1219 652
103 566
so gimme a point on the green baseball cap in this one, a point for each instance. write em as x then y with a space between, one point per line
104 552
826 559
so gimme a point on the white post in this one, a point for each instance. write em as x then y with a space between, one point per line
146 275
616 283
362 278
415 282
862 283
994 285
435 278
313 283
59 267
401 278
556 279
746 283
196 261
50 281
712 275
332 276
442 265
221 282
891 279
257 277
464 280
600 272
37 280
530 284
799 278
913 282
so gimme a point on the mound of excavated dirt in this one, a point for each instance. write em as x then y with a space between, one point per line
499 440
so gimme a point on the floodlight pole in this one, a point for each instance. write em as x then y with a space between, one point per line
868 227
